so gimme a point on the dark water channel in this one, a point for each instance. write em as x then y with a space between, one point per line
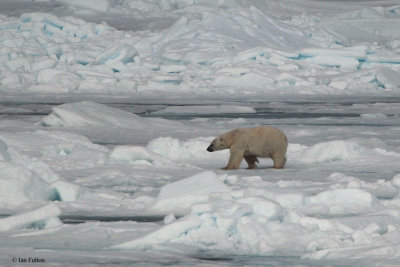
386 111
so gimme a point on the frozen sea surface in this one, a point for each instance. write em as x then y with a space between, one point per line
102 204
169 49
107 108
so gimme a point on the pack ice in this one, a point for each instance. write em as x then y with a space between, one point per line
107 108
202 50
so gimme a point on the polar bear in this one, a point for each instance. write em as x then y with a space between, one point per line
250 143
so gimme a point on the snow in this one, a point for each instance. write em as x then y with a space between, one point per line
107 108
3 151
258 225
39 216
203 110
101 5
338 200
396 181
253 80
192 149
331 151
20 185
52 172
374 115
388 78
137 155
91 114
100 122
162 235
234 49
183 194
66 191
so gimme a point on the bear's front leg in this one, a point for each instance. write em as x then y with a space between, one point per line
235 159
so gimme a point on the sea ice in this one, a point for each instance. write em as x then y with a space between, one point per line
4 156
39 149
19 185
335 61
352 52
331 151
181 195
388 78
373 116
36 218
47 54
136 155
91 114
264 207
66 191
202 110
164 234
248 80
337 199
173 148
396 180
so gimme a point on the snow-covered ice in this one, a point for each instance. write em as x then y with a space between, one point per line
233 49
36 218
205 110
107 108
329 197
183 194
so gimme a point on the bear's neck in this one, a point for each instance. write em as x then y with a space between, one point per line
228 140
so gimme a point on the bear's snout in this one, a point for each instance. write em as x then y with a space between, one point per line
210 148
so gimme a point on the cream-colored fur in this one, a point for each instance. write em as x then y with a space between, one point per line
250 143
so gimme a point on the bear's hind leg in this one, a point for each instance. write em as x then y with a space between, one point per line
235 159
279 161
251 161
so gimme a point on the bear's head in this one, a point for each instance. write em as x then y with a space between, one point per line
218 143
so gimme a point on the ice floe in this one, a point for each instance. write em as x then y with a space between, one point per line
91 114
46 216
183 194
202 110
20 185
